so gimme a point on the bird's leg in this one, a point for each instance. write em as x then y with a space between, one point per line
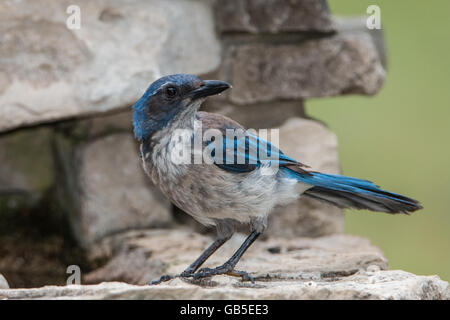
196 264
225 230
228 267
204 256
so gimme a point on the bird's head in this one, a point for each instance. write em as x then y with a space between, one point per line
170 98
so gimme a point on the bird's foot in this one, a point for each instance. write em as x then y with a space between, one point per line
205 273
243 274
224 269
167 277
163 278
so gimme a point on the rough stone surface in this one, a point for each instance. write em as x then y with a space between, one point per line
275 258
18 152
26 170
342 64
107 64
272 16
380 285
100 126
311 143
112 192
131 266
357 25
334 267
260 115
3 283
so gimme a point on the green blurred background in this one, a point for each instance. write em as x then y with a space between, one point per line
400 137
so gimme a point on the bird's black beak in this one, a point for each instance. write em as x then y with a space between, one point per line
209 88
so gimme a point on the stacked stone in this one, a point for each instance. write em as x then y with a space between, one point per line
89 78
279 53
65 123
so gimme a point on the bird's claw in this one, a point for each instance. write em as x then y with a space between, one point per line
163 278
167 277
205 273
244 275
208 272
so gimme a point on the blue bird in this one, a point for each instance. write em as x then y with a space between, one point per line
238 178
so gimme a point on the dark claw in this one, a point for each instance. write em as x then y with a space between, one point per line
207 272
163 278
167 277
244 275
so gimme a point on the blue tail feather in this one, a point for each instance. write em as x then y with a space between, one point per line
348 192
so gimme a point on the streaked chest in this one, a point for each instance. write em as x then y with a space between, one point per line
166 159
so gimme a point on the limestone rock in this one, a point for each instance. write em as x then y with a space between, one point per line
131 266
257 116
106 64
263 16
107 190
275 258
341 64
26 170
357 25
382 285
310 143
101 126
3 283
334 267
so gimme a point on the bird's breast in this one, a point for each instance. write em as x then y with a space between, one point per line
166 160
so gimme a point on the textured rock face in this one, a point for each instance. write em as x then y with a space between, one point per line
337 65
260 115
313 144
18 152
335 267
277 53
120 48
26 169
276 258
263 16
113 193
3 283
357 26
379 285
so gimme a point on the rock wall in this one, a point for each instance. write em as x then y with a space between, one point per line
66 141
276 55
331 267
50 72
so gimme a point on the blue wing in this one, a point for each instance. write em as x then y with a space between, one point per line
246 153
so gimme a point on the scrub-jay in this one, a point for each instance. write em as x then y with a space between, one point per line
226 179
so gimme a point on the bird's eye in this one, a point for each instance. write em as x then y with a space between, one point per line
171 91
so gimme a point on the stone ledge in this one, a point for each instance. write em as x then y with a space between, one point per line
3 283
262 70
159 251
106 65
256 16
342 64
332 267
378 285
